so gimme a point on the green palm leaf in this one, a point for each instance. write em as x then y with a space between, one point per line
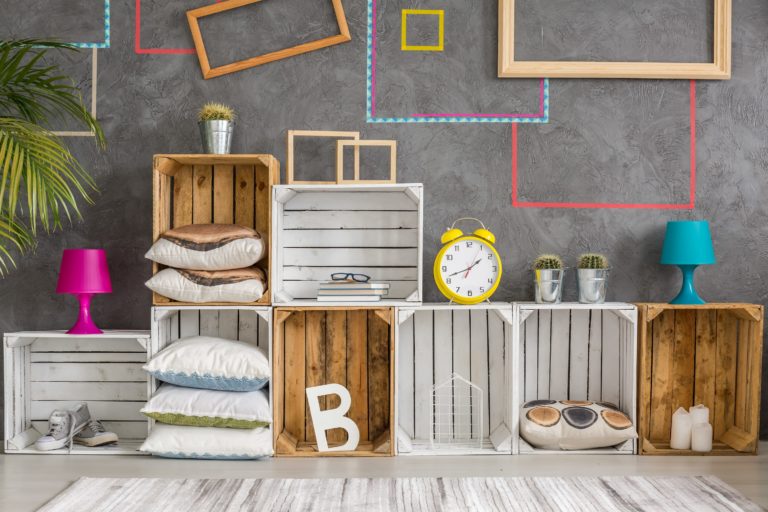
40 181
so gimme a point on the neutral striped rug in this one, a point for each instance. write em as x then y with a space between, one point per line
535 494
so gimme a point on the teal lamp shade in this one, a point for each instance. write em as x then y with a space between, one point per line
688 244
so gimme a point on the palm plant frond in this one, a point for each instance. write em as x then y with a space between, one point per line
40 180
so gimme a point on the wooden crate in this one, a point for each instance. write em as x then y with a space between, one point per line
50 370
370 229
251 324
710 354
205 189
351 346
576 351
435 341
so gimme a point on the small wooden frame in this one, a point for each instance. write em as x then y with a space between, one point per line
341 144
289 152
48 370
193 15
574 351
206 189
719 69
351 346
709 354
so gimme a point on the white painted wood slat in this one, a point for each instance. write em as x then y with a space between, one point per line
87 372
85 391
310 273
380 201
100 409
350 238
350 220
339 256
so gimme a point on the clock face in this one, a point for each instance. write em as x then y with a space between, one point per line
469 268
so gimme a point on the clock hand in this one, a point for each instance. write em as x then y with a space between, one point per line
470 268
465 269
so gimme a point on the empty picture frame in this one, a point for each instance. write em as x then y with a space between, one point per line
357 144
289 153
195 14
719 69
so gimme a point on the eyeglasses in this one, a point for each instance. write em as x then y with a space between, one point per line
342 276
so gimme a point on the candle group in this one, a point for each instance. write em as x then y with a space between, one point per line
691 429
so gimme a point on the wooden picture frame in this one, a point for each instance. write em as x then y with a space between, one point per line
208 72
289 158
719 69
341 144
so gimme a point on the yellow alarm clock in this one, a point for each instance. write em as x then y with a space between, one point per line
468 268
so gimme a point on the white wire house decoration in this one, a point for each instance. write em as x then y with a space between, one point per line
456 414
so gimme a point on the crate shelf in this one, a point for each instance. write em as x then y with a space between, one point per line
574 351
436 342
50 370
221 189
710 354
375 230
351 346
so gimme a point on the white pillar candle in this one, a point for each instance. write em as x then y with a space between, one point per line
699 414
681 430
701 437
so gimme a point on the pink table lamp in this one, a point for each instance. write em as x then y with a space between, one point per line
83 273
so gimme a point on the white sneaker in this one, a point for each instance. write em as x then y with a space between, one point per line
63 426
94 434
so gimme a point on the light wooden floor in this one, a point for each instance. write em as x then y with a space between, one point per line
28 481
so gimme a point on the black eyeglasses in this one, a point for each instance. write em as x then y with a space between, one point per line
342 276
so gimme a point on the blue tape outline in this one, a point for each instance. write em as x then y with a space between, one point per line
369 104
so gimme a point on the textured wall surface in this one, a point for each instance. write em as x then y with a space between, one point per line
607 141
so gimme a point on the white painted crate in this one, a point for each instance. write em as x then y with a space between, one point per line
435 341
251 324
375 230
574 351
49 370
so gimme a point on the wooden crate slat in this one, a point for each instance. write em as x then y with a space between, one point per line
355 201
531 358
357 369
315 331
129 391
125 430
229 324
611 391
350 220
378 376
69 344
462 366
85 372
350 238
324 257
725 381
706 358
479 371
202 194
295 383
88 357
109 410
223 194
545 339
244 196
743 354
209 322
595 374
336 364
683 360
661 406
499 383
406 370
579 355
560 347
182 196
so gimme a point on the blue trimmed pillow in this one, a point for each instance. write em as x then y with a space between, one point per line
206 362
177 442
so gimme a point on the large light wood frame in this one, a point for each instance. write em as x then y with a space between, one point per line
357 144
208 72
720 69
289 152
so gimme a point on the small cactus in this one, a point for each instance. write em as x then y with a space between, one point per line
216 112
548 262
593 261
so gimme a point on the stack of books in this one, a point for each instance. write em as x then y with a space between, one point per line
351 291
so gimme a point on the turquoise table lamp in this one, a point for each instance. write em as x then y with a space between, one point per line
688 244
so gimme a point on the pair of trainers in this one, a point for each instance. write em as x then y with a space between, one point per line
66 427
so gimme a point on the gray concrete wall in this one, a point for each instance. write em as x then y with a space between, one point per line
612 141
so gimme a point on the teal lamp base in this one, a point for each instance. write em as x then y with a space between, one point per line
687 293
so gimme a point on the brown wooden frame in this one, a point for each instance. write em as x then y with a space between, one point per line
720 69
289 153
710 354
193 15
222 189
293 371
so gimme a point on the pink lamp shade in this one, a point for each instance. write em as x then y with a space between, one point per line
84 272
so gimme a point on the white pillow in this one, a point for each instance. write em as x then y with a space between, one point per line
203 286
208 442
176 405
211 363
574 425
208 247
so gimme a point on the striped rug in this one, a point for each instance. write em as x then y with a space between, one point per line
535 494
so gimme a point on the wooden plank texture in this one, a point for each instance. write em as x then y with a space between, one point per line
223 194
357 369
202 200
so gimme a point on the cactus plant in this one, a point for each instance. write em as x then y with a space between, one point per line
216 112
593 261
548 262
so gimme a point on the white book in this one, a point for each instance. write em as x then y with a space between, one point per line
342 293
352 285
349 298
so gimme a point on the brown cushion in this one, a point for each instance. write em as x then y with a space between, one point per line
204 237
219 277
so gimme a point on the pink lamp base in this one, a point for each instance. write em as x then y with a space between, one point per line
84 324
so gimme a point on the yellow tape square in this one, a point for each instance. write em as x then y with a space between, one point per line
404 46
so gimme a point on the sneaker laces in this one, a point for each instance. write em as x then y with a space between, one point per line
96 426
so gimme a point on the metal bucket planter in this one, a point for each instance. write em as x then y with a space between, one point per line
549 286
217 137
593 285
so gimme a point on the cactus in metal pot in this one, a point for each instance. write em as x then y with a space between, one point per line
593 261
548 262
